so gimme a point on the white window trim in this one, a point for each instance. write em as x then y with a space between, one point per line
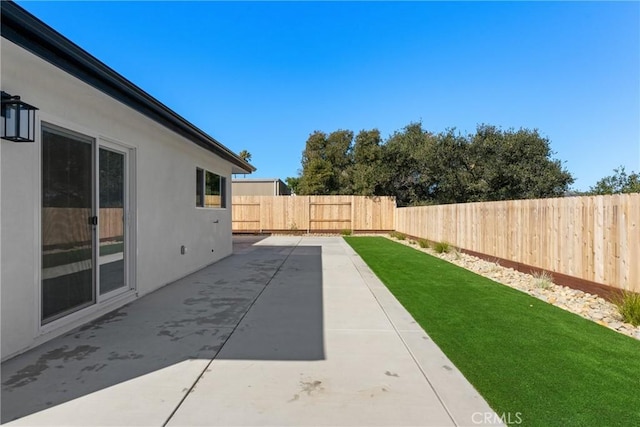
225 191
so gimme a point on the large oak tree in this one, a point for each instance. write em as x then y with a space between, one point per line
420 167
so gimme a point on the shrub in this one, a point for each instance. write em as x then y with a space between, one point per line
442 247
346 232
398 235
423 243
628 304
542 280
293 229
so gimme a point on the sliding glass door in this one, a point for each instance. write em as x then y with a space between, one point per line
67 236
84 202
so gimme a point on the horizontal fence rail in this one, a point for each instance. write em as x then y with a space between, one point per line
254 214
594 238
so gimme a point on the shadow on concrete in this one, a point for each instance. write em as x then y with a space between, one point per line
262 303
244 242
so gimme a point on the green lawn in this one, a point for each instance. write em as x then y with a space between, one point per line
522 354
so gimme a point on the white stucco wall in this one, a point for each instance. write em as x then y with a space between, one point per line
165 218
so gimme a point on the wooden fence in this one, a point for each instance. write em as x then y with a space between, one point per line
312 213
595 238
64 226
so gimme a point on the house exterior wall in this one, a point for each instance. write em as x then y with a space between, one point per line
163 217
260 188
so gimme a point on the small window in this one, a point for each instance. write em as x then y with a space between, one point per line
210 189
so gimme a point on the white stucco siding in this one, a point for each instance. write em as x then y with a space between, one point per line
165 217
168 216
18 253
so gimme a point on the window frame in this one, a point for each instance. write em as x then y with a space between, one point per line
201 189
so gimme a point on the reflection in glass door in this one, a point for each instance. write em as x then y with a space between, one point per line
112 225
84 202
67 230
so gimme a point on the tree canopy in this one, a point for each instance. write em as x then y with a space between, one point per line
420 167
293 182
619 182
245 155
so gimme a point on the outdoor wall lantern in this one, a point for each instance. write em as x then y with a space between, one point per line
18 119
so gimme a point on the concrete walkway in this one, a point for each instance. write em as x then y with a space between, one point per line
289 331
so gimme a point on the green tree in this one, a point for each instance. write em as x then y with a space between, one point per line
245 155
316 172
406 168
326 162
317 178
339 155
419 167
453 170
509 165
367 169
617 183
293 183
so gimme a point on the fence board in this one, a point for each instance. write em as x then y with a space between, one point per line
312 213
596 238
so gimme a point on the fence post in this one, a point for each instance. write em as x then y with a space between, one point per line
260 214
308 214
353 216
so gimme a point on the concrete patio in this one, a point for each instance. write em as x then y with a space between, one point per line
289 331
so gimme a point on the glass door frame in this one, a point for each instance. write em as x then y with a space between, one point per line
69 252
126 152
129 291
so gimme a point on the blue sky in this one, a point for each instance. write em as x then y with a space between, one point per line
263 76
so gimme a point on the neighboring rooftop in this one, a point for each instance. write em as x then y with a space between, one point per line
257 179
259 187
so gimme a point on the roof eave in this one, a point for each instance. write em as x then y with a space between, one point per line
27 31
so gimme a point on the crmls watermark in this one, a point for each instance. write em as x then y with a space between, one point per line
507 418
